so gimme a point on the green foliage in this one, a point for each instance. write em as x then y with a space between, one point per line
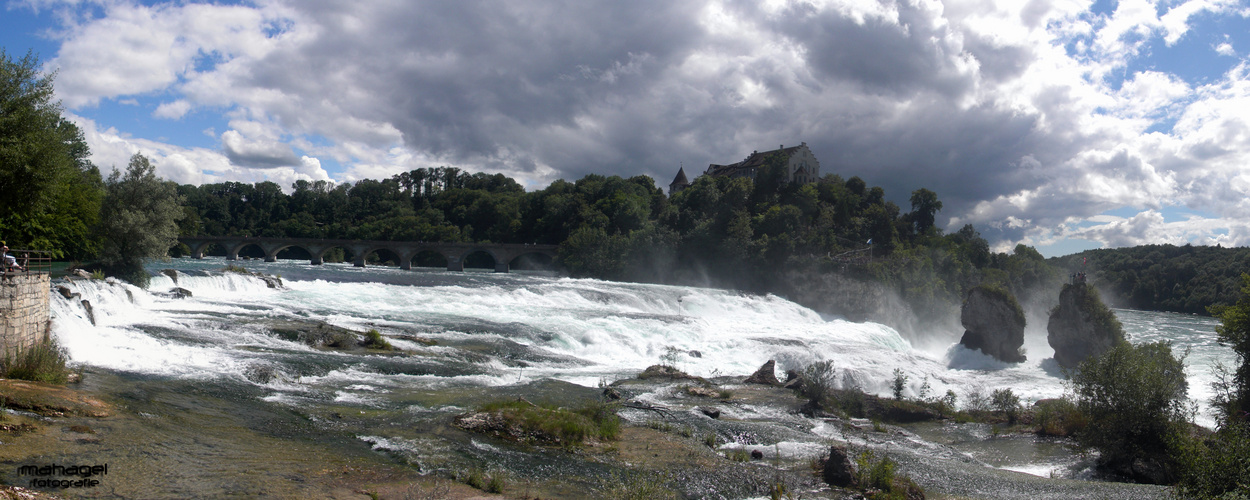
139 220
637 486
1189 279
1234 332
374 340
1006 296
1006 402
50 191
899 383
1058 417
1092 307
42 362
553 425
880 480
1133 397
1217 466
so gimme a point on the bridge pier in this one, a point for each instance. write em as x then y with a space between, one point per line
454 263
501 267
315 261
360 261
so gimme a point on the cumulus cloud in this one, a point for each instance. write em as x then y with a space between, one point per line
1023 116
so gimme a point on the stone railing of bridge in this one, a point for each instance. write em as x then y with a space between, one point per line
455 253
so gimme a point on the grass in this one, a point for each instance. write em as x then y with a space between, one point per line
638 486
43 362
235 268
374 340
880 480
552 425
490 482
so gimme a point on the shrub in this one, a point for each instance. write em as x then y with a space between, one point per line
1134 400
1007 403
1057 417
42 362
880 479
1216 467
1234 332
549 424
374 340
900 383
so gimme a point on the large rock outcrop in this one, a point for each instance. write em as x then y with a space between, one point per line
1081 326
993 323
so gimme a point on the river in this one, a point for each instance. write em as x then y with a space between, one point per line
477 335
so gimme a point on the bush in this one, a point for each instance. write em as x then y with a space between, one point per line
900 383
549 424
880 480
1216 467
1007 403
1134 400
42 362
1057 417
374 340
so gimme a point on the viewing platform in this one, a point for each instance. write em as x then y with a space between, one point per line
24 293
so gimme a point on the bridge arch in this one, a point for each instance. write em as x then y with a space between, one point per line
454 254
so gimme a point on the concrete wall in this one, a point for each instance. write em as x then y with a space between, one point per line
23 310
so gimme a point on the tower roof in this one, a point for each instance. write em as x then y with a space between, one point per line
681 178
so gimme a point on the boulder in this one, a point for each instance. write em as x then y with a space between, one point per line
993 323
767 375
712 413
86 305
66 292
1081 326
839 469
173 274
180 293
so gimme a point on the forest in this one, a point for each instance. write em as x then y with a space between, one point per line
720 231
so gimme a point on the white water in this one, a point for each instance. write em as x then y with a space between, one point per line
582 331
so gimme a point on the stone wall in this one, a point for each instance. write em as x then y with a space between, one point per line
23 310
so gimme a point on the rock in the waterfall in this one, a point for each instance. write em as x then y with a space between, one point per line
180 293
767 375
66 292
173 274
86 305
993 323
839 469
712 413
1082 326
81 273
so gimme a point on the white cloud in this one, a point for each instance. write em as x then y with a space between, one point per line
1006 109
172 110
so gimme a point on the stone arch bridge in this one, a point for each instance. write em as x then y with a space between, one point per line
455 253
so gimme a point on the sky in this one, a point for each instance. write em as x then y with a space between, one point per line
1060 124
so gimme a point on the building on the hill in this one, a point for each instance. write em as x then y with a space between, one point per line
801 167
679 183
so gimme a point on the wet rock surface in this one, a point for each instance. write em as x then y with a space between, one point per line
1081 326
994 324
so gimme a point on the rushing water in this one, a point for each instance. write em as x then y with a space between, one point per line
509 330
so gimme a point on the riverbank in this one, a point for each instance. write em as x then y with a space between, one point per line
195 443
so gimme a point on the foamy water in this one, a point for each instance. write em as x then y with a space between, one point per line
526 327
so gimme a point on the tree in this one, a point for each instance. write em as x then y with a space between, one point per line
139 220
924 206
1133 397
49 190
1234 332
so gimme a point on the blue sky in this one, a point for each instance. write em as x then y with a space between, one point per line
1061 124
